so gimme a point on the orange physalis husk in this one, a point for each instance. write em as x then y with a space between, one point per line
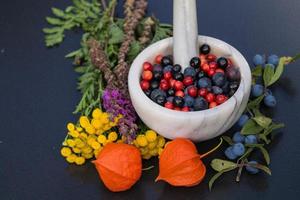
119 166
181 165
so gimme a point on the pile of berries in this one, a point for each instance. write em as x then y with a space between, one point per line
150 144
206 83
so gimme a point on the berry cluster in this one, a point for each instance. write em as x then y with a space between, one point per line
150 144
208 81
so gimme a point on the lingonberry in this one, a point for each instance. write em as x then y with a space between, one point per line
169 105
211 72
179 93
167 75
147 75
212 104
172 82
210 97
202 92
188 81
178 85
144 85
213 65
211 57
158 59
164 85
185 109
220 70
221 98
147 66
192 91
205 67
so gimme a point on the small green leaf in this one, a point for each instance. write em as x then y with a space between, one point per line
217 175
80 69
54 21
254 145
255 103
265 154
52 30
134 50
116 34
251 127
73 53
296 57
279 70
263 121
219 164
228 140
260 166
257 71
58 12
247 153
268 75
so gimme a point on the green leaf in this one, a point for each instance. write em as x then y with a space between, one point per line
134 50
261 167
265 154
268 75
251 127
217 175
247 153
257 71
279 70
254 145
80 69
58 12
255 102
296 57
54 21
219 164
73 53
53 30
116 34
161 32
263 121
228 140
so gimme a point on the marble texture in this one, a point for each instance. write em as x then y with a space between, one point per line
199 125
185 31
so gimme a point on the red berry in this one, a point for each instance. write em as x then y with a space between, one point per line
169 105
185 109
211 57
179 93
158 59
211 72
192 91
220 70
177 108
213 104
188 81
213 65
172 82
145 85
164 85
178 85
210 97
147 75
230 63
147 66
205 67
202 92
168 75
221 98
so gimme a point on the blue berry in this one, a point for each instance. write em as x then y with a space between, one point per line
273 59
217 90
243 120
270 101
238 149
188 101
257 90
238 137
204 83
229 153
157 92
157 68
200 104
259 60
167 68
189 71
219 79
170 99
252 170
251 139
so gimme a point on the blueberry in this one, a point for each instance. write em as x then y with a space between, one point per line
233 73
178 101
166 60
225 87
167 68
238 137
154 84
219 79
200 104
205 49
200 74
147 92
273 59
238 149
222 62
252 170
204 83
257 90
229 154
243 120
157 68
188 101
157 75
178 76
171 92
176 68
189 71
157 92
251 139
217 90
170 99
259 60
270 101
161 100
195 62
233 86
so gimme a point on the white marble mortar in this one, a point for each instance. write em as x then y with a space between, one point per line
199 125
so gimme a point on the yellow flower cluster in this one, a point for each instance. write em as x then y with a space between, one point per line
150 144
86 140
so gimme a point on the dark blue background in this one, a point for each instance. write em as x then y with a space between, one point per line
38 94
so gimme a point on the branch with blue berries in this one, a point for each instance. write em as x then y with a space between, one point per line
255 127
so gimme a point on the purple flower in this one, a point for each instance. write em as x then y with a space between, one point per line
116 103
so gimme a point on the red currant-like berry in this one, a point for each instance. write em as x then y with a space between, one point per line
177 108
210 97
211 72
158 59
145 85
202 92
164 85
147 66
192 91
147 75
213 104
211 57
220 70
172 82
213 65
178 85
179 93
205 67
221 98
185 109
168 75
188 81
169 105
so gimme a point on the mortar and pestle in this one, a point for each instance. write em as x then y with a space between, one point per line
185 43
